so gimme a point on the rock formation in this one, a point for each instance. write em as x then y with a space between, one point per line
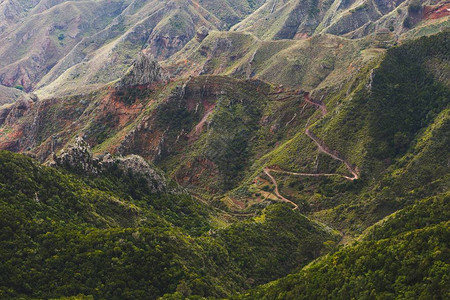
145 70
79 158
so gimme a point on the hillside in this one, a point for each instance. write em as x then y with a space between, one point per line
297 19
107 234
66 47
67 43
10 95
186 127
406 260
236 149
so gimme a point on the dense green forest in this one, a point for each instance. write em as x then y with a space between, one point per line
406 257
65 234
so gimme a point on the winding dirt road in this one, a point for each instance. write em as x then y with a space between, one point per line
323 148
277 192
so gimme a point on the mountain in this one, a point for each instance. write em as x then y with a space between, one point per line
66 227
280 149
297 19
405 257
92 42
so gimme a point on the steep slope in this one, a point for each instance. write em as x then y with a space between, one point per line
13 11
297 19
320 60
407 256
10 95
309 125
108 234
391 121
45 36
214 133
93 42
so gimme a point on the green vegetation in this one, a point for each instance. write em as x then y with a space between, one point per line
108 236
265 248
413 98
103 232
409 262
414 6
393 123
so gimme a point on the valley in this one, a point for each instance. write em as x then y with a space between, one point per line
238 149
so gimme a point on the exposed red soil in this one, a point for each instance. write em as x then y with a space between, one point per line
433 12
209 107
301 35
125 112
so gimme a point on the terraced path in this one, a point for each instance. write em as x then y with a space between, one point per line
323 148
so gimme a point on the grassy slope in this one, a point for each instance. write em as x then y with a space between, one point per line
395 135
319 61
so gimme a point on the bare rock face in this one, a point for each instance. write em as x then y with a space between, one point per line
79 158
138 166
145 70
201 34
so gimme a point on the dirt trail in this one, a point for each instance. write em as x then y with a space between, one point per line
320 104
334 154
234 214
277 192
323 148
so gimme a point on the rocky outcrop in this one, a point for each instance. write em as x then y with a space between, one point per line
79 158
9 95
201 34
145 70
137 166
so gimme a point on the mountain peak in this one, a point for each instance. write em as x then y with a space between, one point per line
144 70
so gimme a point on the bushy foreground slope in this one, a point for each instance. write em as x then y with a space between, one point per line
407 257
107 236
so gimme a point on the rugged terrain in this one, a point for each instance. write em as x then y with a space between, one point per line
204 149
62 44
